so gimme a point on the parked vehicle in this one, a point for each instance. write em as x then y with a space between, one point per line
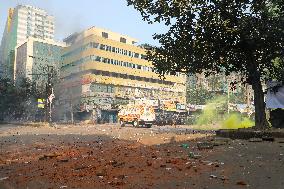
137 115
171 118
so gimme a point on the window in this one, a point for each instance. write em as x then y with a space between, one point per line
113 49
139 78
95 45
93 57
98 58
147 79
124 76
143 56
153 80
108 89
104 35
102 47
136 55
104 88
122 40
114 74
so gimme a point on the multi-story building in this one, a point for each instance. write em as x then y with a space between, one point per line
33 57
102 69
23 21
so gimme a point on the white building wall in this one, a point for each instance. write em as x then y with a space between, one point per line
27 59
34 22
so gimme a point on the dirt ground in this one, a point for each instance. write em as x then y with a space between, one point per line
108 156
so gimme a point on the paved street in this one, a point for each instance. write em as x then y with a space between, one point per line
107 156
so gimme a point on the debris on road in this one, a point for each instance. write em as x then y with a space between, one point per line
184 145
213 176
205 145
49 156
3 178
269 139
218 141
101 173
242 183
255 140
194 156
88 158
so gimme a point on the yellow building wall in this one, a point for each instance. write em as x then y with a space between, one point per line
174 92
10 17
112 55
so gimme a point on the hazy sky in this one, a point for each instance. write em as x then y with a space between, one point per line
76 15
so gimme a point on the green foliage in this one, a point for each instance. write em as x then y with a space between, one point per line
198 96
200 89
14 99
215 36
145 46
209 37
239 97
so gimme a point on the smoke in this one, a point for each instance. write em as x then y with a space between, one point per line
215 113
236 121
67 24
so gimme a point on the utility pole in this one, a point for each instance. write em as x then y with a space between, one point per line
228 95
48 93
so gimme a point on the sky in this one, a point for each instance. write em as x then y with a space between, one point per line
76 15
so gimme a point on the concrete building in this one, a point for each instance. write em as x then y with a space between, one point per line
23 21
34 55
102 69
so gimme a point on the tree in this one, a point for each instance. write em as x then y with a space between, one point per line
14 99
233 36
198 96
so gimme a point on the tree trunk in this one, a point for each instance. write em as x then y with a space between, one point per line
260 116
72 113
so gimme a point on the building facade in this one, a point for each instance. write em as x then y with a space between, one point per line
33 57
23 21
102 69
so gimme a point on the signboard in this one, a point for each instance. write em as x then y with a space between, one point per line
40 103
86 88
180 106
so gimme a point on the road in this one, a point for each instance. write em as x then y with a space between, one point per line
108 156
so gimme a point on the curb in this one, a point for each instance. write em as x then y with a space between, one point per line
249 133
